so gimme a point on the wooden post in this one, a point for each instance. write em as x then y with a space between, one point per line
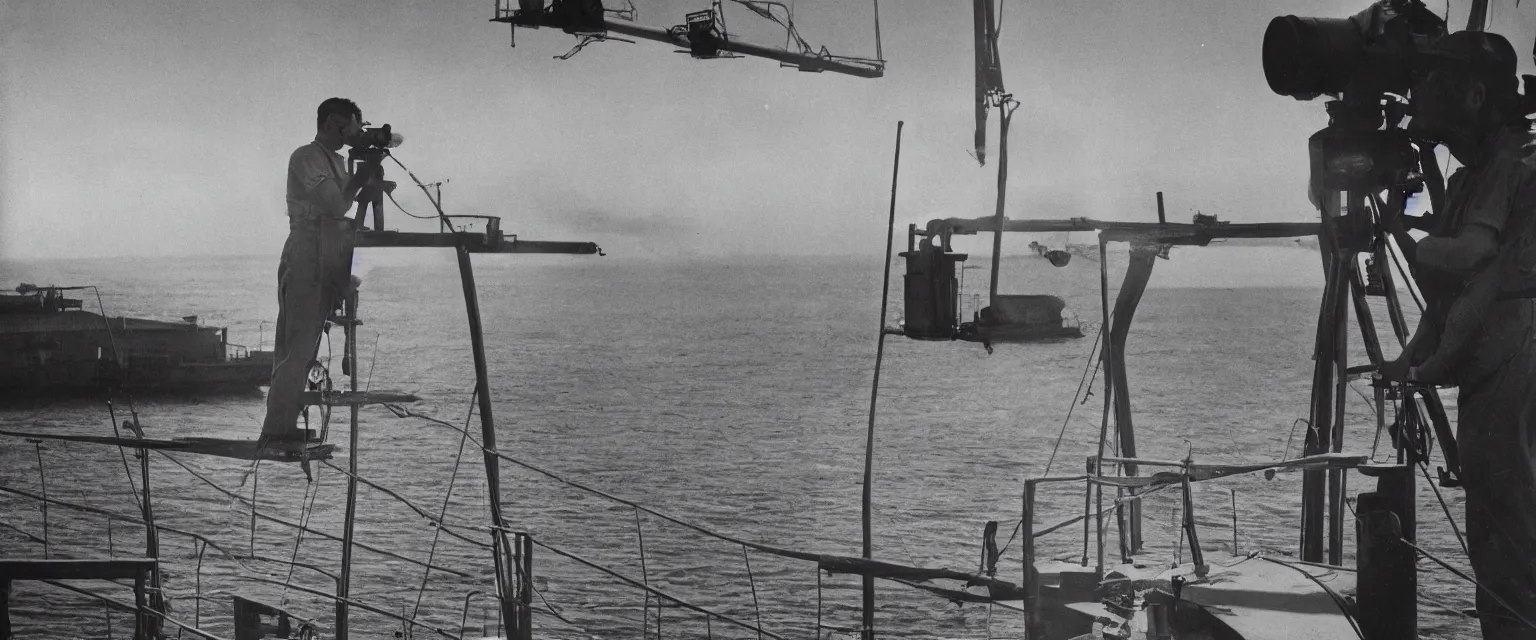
5 610
1196 554
1032 628
1388 578
525 615
1002 193
150 625
1160 218
866 499
487 432
1336 510
141 629
1107 355
344 583
1137 274
1324 367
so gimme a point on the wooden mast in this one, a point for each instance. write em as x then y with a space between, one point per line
344 582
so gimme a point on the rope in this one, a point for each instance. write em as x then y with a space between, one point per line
354 603
304 516
255 479
288 523
1083 381
818 602
124 455
112 340
645 622
659 593
128 607
419 511
443 514
1424 469
1408 279
42 479
403 412
1337 599
197 602
1472 580
1450 568
756 609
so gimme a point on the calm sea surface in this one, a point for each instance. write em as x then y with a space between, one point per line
731 393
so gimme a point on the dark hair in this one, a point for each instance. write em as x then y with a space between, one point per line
336 106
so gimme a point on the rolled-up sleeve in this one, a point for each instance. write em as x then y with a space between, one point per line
1501 187
313 185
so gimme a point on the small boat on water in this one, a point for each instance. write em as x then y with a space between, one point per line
49 343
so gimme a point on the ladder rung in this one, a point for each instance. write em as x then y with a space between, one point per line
343 322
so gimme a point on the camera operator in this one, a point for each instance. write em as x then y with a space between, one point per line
1479 333
315 271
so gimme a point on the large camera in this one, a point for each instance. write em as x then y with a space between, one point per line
1374 51
1363 61
377 138
366 158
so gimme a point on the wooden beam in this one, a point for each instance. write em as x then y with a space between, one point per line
803 62
221 447
75 569
475 242
345 398
1133 232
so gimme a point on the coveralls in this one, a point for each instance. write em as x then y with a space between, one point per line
1496 426
313 275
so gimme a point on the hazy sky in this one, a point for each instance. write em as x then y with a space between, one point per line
162 127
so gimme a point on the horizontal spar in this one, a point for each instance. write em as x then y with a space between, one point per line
220 447
475 242
1150 232
90 569
802 61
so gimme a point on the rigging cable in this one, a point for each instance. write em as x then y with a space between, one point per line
1334 595
112 413
1084 380
443 515
304 515
1454 570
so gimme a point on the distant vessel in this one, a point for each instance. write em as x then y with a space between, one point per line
48 343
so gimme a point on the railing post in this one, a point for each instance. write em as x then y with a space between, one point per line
5 610
140 609
525 614
1388 578
1030 583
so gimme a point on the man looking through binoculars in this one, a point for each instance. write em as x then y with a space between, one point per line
316 266
1478 272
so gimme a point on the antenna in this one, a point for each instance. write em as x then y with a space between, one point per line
702 35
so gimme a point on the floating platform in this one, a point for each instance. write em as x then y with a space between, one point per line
1020 318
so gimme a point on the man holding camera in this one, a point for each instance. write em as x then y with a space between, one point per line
1478 270
316 268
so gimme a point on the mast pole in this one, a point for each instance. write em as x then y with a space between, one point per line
874 394
1477 17
1004 115
499 544
344 582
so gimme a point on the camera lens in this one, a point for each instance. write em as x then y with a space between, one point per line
1308 57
